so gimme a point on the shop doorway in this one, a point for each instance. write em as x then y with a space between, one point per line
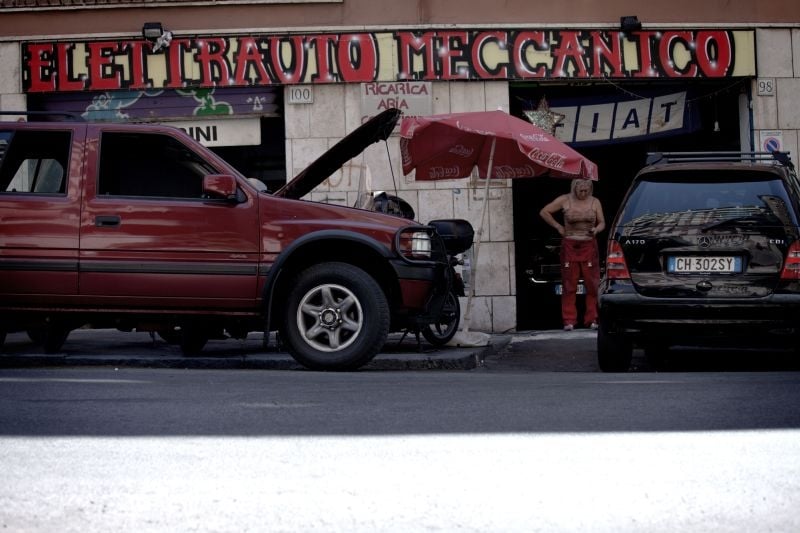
715 107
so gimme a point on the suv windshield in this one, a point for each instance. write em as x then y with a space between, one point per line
684 198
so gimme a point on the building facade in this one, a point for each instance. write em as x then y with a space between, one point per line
271 84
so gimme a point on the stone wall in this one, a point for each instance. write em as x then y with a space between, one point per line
778 57
311 129
11 97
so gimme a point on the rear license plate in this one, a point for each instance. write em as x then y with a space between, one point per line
581 289
703 263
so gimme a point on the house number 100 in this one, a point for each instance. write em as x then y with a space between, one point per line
300 94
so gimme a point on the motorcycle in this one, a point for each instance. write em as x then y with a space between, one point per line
457 235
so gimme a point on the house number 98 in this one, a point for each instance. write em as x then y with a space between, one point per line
766 86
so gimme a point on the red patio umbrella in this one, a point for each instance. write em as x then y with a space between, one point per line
501 146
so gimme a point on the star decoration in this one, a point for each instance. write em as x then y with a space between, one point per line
544 118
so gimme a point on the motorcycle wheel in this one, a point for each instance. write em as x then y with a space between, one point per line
439 333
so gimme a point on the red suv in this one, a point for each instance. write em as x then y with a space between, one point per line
140 227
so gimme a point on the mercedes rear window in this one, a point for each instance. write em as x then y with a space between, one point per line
690 198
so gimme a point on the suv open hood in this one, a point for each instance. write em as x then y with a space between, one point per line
378 128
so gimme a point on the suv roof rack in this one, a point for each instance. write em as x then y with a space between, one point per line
67 114
694 157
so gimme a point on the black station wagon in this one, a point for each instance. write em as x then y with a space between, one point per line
704 251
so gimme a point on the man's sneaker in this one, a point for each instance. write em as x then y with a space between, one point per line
593 325
569 327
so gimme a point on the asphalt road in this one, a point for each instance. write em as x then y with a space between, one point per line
125 449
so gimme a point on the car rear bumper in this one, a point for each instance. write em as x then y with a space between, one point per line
773 320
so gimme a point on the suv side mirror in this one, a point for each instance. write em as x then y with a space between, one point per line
220 186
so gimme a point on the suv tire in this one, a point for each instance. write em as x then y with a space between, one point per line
337 317
614 353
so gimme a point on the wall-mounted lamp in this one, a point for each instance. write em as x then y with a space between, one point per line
629 23
152 30
155 33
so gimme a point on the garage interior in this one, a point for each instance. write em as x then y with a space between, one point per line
717 109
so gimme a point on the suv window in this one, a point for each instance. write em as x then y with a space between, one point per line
152 165
34 161
689 198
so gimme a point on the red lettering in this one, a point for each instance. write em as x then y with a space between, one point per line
606 51
214 67
409 45
452 53
138 74
294 72
358 57
104 75
478 62
714 53
249 56
646 68
324 45
388 103
666 54
526 39
569 50
39 62
175 71
66 82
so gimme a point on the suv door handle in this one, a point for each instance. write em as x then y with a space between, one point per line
105 221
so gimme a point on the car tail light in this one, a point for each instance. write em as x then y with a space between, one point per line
791 265
616 268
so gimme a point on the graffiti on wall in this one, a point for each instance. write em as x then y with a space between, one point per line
160 104
242 61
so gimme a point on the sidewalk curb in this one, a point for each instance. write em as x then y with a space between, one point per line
395 356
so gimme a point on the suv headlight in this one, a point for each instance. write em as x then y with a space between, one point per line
414 244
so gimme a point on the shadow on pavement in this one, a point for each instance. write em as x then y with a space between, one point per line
575 351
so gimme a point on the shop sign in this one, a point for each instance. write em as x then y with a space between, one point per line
365 57
623 120
222 131
413 98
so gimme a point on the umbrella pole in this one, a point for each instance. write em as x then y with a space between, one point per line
474 265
